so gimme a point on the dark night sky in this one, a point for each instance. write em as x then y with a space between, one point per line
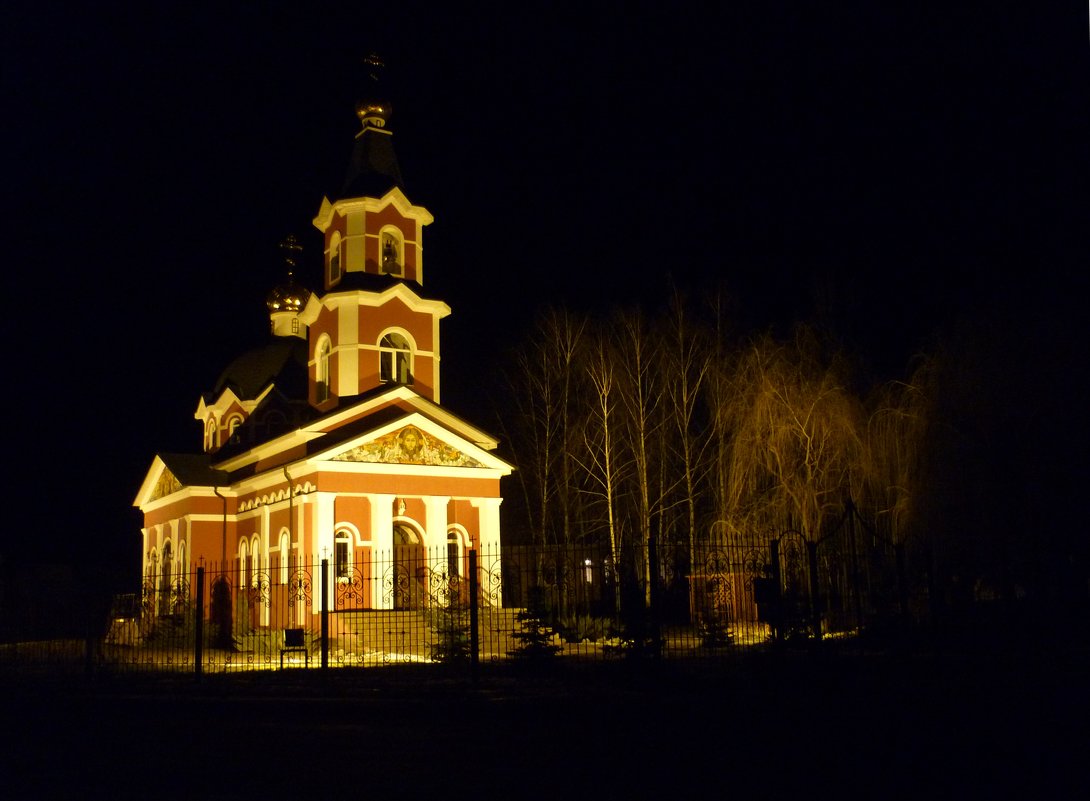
910 167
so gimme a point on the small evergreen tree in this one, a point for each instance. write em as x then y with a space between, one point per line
535 640
453 642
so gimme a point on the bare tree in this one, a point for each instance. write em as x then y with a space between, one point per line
719 394
641 401
896 436
795 445
600 460
686 368
542 394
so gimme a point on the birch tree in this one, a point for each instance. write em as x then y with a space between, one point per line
600 460
686 369
542 437
641 401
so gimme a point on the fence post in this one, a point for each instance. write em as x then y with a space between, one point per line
815 587
902 585
857 581
198 625
654 594
934 610
88 643
325 613
474 609
777 590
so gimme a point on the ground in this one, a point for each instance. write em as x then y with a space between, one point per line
854 725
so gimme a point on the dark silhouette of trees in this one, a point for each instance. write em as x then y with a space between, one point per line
630 430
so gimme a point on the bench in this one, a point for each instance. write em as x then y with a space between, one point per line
294 642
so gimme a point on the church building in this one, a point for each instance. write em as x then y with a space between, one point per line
330 442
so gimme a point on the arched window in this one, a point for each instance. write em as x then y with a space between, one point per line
166 575
210 435
321 369
334 258
233 422
395 359
342 563
151 570
454 553
391 248
255 561
284 556
243 561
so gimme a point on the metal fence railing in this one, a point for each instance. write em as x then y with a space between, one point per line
414 606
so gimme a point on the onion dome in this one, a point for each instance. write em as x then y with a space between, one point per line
289 296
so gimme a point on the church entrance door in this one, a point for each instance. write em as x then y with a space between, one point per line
410 568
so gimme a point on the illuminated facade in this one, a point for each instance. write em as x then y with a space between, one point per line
329 442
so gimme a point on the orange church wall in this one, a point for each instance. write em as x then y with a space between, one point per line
354 510
423 369
422 385
306 533
388 215
463 513
412 272
395 314
206 541
416 510
279 519
192 505
325 324
408 485
368 368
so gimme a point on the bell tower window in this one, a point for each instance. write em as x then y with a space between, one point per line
334 258
391 245
321 370
395 360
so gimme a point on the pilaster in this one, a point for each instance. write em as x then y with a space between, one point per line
382 548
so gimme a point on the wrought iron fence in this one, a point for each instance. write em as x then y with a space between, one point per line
579 602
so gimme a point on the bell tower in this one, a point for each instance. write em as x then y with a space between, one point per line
371 328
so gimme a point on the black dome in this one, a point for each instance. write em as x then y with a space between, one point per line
283 362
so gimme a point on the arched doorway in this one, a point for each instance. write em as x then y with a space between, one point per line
165 578
410 568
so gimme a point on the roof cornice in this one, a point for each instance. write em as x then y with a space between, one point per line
394 197
363 297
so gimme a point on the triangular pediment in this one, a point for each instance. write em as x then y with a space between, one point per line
166 484
408 445
171 472
414 441
158 483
